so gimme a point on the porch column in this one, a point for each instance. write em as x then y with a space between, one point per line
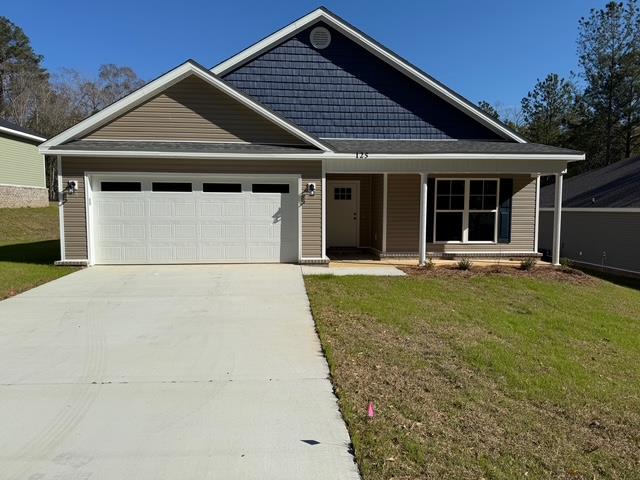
423 219
384 211
557 220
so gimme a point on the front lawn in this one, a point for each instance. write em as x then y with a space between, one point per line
28 247
485 375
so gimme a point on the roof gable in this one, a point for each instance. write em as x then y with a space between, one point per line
413 105
194 110
163 84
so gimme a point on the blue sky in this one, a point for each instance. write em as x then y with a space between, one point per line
485 50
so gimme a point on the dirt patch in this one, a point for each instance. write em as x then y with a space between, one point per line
562 274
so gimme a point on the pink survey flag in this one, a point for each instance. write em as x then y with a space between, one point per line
371 411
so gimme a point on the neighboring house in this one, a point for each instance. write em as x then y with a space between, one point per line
22 177
600 217
315 137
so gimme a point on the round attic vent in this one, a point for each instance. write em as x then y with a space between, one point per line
320 38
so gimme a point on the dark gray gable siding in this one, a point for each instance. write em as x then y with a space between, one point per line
343 91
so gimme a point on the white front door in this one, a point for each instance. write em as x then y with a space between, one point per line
193 219
342 214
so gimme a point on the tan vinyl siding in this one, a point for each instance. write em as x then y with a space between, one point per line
609 239
193 110
377 197
75 226
20 163
365 204
74 168
522 220
403 213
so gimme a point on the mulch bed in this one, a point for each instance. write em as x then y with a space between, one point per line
561 274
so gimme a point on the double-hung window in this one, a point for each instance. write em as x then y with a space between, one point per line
466 210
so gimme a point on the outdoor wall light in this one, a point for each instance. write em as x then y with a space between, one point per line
72 186
311 189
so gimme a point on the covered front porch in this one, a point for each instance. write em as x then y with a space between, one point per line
410 217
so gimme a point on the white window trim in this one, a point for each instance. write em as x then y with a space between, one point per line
465 213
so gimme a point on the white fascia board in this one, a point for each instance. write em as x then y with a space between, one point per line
595 210
18 133
160 84
307 156
374 48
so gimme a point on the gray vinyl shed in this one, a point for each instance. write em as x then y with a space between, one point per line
600 218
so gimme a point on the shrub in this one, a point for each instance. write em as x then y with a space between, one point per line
528 263
566 262
464 263
429 264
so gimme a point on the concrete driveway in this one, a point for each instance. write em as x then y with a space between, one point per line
167 372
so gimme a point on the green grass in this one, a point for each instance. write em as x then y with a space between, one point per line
485 376
28 247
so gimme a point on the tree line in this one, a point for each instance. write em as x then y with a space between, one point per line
598 110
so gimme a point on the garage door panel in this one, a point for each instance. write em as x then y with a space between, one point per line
185 209
135 231
186 232
192 227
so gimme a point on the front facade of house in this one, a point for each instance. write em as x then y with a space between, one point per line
22 177
316 138
600 218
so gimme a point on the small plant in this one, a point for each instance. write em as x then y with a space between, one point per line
464 263
566 262
528 264
429 264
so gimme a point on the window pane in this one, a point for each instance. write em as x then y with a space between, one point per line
222 187
444 187
448 226
121 186
490 187
457 187
482 226
457 202
270 188
475 187
342 193
475 202
171 187
489 202
443 202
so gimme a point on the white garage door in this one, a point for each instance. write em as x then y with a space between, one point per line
173 219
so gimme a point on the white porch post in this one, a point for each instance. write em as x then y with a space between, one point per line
557 220
384 212
423 219
323 207
537 220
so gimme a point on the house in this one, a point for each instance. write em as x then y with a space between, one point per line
600 218
22 177
316 137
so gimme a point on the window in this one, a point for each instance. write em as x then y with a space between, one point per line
449 210
171 187
121 186
483 202
270 188
466 210
222 187
342 193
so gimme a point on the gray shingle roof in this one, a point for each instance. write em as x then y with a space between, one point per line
614 186
18 128
183 147
446 146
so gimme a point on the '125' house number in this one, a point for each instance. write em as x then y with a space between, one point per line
362 155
